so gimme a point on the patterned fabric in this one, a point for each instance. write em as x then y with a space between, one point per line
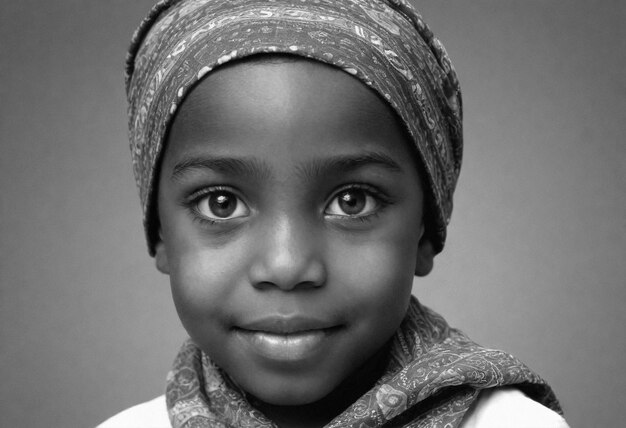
433 375
383 43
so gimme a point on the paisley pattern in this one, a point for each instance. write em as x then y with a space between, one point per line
383 43
433 375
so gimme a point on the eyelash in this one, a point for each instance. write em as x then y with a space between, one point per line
382 200
192 201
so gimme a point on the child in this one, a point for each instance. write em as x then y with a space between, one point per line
296 161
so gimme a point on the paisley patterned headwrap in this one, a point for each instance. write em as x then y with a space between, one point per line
383 43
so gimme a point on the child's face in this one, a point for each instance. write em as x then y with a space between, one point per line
291 217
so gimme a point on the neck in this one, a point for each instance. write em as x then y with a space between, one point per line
321 412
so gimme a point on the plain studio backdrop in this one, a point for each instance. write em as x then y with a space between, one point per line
535 261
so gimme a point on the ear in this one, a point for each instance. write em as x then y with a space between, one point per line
160 257
425 256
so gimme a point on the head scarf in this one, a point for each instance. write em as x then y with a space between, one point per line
383 43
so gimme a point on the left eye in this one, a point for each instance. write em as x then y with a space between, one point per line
221 205
353 203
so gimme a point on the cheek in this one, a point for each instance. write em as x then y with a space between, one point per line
201 285
388 253
377 275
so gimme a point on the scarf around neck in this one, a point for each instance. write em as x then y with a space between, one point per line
433 375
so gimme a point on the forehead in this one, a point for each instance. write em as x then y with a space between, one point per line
265 107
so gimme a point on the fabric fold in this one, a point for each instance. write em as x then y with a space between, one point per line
385 44
434 374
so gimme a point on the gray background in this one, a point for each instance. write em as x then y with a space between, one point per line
535 261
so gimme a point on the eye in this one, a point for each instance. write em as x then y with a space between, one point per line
353 203
221 205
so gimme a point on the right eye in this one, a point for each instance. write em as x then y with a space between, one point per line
220 205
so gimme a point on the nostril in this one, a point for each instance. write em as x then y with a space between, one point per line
300 275
288 254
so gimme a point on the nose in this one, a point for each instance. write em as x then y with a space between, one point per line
288 256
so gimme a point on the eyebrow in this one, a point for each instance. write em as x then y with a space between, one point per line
247 167
349 163
255 169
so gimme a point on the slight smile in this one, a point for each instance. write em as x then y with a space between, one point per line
287 339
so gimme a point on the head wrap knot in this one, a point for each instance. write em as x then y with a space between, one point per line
383 43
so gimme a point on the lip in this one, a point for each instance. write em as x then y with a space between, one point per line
285 325
286 339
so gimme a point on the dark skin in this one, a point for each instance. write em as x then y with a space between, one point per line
291 227
321 412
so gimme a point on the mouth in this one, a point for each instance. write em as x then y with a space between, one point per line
286 325
286 339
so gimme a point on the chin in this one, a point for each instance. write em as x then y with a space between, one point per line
290 393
